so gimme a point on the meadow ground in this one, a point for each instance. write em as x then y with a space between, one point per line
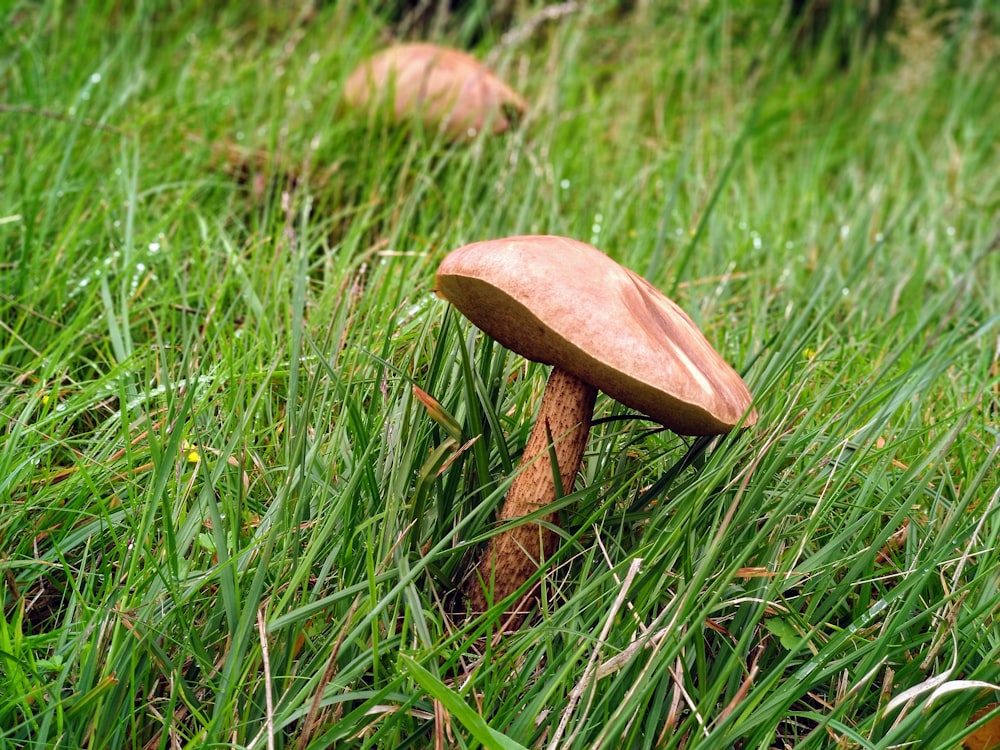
226 519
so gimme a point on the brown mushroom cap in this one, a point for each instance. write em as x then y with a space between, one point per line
443 86
562 302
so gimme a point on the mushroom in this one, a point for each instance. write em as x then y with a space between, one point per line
564 303
444 87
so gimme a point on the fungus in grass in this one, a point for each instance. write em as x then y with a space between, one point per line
440 86
564 303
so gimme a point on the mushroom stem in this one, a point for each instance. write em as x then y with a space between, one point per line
563 425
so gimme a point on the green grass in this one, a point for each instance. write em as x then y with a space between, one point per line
226 519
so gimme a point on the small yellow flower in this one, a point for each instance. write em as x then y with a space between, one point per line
193 456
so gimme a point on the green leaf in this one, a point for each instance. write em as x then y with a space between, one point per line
785 632
458 708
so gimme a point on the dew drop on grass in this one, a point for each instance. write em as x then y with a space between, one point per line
60 407
95 77
154 247
412 311
564 184
845 291
844 231
595 228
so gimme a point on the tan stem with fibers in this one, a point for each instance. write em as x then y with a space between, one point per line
562 426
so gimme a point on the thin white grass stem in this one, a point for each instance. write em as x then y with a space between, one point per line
587 681
268 727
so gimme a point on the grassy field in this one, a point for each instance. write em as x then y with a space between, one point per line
226 520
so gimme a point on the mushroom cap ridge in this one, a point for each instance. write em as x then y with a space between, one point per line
564 303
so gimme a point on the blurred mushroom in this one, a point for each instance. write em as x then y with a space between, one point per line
443 87
562 302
